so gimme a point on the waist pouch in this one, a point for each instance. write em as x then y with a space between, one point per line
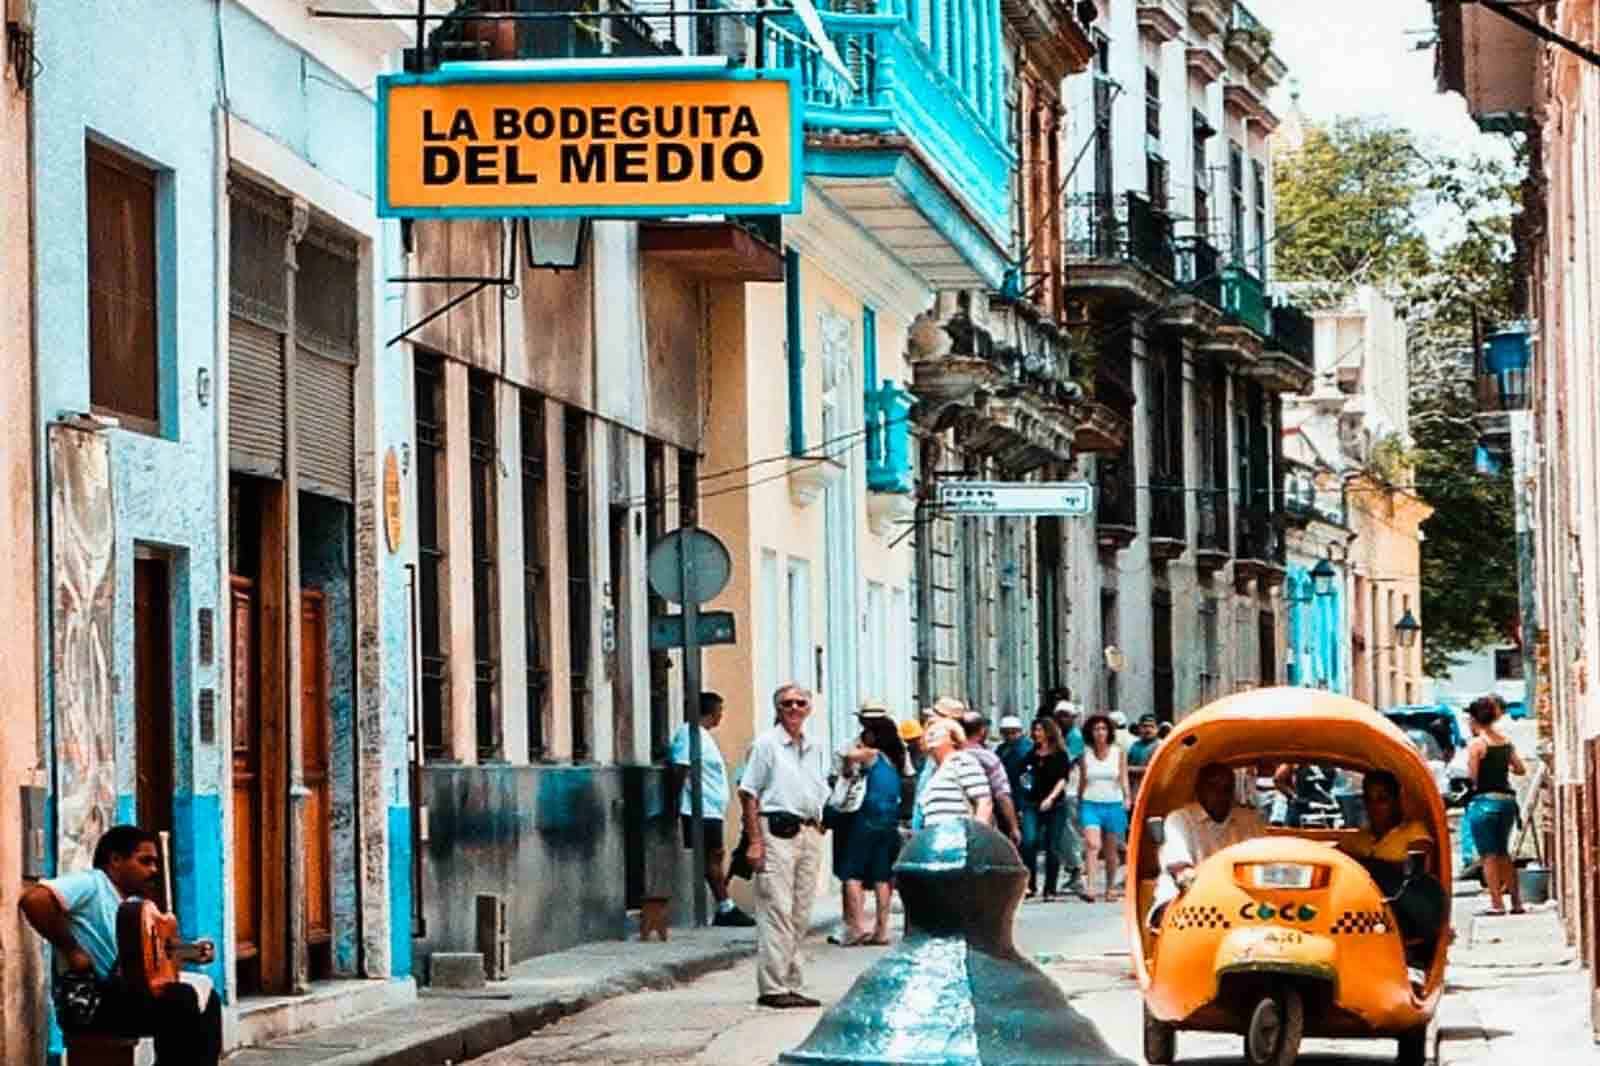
784 826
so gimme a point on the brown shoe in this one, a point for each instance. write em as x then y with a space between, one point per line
785 1001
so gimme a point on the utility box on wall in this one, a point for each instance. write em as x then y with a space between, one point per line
33 832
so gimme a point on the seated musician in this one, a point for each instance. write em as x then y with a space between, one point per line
1382 847
77 914
1198 830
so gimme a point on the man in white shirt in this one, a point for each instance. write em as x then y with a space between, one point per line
714 804
1198 830
781 796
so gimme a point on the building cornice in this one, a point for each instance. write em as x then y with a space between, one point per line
828 236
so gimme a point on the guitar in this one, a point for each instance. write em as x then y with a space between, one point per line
149 951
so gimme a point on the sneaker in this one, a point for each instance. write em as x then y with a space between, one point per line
733 917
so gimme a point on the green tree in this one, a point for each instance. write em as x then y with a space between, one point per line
1365 203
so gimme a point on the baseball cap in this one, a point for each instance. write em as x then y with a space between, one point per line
1147 719
910 729
1010 721
1066 707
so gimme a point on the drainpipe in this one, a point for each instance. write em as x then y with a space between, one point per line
793 352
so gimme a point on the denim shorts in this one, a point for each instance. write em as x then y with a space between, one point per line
1490 819
1109 818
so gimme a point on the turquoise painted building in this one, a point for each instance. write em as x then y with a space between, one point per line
1318 632
214 408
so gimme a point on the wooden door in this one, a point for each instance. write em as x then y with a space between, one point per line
315 766
152 700
246 780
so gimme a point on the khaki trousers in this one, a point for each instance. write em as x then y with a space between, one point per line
784 893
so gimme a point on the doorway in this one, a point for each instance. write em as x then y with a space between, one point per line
152 701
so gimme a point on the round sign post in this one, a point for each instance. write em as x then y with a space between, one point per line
689 567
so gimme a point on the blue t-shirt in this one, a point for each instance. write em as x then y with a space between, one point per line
91 902
713 773
1074 739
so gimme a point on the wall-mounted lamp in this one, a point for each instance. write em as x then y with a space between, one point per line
202 386
554 243
1323 574
1407 629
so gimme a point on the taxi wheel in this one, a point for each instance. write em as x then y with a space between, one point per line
1160 1041
1413 1047
1276 1025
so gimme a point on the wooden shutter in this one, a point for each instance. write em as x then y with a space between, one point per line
122 288
327 296
255 398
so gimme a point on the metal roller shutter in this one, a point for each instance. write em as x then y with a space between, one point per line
325 425
255 398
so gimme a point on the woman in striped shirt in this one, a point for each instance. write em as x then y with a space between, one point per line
958 788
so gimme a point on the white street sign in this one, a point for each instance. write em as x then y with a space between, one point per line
1016 498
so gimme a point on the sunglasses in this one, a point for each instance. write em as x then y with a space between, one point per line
794 703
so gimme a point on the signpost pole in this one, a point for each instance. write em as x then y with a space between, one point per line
691 716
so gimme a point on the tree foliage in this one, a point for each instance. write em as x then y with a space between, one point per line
1366 203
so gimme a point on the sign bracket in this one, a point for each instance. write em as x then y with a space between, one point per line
506 283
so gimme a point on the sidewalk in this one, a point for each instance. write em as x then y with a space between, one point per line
450 1026
1515 992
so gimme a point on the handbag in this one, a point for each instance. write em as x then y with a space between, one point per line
848 793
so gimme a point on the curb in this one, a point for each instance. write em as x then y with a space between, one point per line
485 1025
1459 1037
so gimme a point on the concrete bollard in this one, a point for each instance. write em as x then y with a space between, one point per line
455 969
956 989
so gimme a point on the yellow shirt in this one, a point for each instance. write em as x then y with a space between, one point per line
1393 845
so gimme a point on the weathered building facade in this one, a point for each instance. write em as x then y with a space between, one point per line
22 975
224 626
1169 233
1513 81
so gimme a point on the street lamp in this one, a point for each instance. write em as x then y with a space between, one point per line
1406 630
1323 574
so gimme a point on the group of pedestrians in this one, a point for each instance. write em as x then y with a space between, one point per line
1062 791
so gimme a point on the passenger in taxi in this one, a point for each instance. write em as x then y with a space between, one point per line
1382 847
1198 830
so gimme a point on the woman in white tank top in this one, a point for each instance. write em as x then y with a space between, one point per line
1103 801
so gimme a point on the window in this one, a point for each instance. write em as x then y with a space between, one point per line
655 528
1236 200
1103 95
535 567
1161 656
481 440
1202 177
877 645
1155 162
123 348
799 590
1268 641
1507 664
1108 638
575 459
431 558
1211 672
1259 180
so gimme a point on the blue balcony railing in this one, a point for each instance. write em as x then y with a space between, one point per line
888 417
900 87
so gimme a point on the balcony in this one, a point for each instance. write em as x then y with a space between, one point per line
1198 311
1210 16
1052 28
890 481
1240 338
1117 510
1288 361
1120 251
1262 552
1161 21
1502 386
1105 416
1009 404
915 151
1169 519
1213 545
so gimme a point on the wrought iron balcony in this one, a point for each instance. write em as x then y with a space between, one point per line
1127 229
1288 360
1213 543
1200 270
1169 518
1262 547
1117 508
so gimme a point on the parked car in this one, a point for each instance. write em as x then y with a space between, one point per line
1438 720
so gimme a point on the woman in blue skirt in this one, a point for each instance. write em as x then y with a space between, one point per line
1492 814
874 843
